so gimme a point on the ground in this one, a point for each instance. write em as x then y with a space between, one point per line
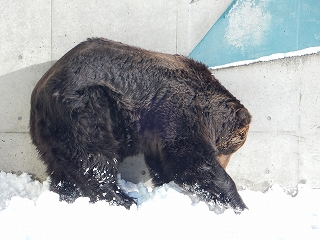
29 211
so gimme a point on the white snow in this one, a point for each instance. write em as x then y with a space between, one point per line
30 211
306 51
23 186
242 19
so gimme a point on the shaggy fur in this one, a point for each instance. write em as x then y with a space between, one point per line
104 101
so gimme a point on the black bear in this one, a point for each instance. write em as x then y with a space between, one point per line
104 101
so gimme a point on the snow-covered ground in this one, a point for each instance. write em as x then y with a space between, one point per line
29 211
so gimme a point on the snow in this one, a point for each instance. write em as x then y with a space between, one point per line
243 17
306 51
30 211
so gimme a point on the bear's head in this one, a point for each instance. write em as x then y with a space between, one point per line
230 140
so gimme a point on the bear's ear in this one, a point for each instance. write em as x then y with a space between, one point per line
244 117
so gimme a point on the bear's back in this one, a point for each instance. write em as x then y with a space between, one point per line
131 71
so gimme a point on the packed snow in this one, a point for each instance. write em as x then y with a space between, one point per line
28 210
306 51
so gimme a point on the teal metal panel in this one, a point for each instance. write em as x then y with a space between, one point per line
250 29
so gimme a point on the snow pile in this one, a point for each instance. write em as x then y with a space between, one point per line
162 213
306 51
18 185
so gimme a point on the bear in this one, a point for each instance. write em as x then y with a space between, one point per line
104 101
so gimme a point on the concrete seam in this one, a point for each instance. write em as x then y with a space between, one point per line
299 121
51 34
15 132
177 24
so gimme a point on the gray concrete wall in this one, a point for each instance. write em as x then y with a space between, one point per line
283 145
34 33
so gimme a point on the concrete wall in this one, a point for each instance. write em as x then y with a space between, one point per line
283 145
34 33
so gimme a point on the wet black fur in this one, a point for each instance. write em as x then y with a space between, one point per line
104 101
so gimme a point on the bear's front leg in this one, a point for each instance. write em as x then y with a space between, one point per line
100 181
94 178
194 166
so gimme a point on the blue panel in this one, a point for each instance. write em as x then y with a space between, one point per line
250 29
309 24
